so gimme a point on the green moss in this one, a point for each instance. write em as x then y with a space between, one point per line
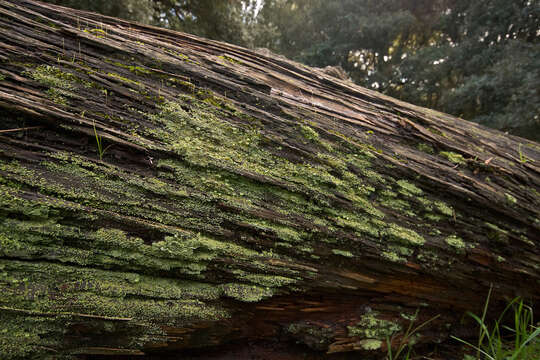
23 336
433 217
371 327
526 240
405 236
436 131
308 133
370 344
246 293
230 59
428 149
47 297
443 208
399 205
271 281
496 233
511 199
357 223
60 84
283 232
457 243
2 77
409 189
124 79
136 69
180 56
342 253
392 256
99 33
453 157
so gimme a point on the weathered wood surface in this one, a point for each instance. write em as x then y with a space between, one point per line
238 198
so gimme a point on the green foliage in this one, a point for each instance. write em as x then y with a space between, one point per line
408 339
99 143
137 10
492 344
230 21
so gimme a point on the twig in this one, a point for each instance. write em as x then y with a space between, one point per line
20 129
50 314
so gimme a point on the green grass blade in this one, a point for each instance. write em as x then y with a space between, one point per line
531 337
479 350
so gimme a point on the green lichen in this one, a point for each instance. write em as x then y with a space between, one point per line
180 56
2 77
60 84
342 253
246 293
496 233
124 79
308 133
400 205
370 327
46 297
453 157
99 33
271 281
370 344
359 224
437 132
456 242
433 217
136 69
404 236
428 149
392 256
443 208
526 240
230 59
409 189
510 199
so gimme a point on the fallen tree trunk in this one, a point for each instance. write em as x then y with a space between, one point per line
162 192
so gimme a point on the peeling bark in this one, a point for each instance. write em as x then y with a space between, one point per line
161 193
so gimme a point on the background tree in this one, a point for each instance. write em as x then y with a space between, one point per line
477 60
225 20
136 10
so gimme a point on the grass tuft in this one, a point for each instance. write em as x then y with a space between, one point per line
524 343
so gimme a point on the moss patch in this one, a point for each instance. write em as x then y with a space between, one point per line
371 327
457 243
342 253
453 157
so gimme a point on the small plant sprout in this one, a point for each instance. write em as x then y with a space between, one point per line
104 91
522 158
99 143
407 341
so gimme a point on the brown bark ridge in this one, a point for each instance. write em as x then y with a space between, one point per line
162 193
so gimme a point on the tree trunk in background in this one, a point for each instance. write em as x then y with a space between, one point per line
161 192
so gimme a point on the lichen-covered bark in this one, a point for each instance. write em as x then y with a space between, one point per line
162 192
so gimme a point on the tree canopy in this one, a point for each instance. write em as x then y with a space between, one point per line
478 60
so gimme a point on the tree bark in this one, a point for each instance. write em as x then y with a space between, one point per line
162 192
